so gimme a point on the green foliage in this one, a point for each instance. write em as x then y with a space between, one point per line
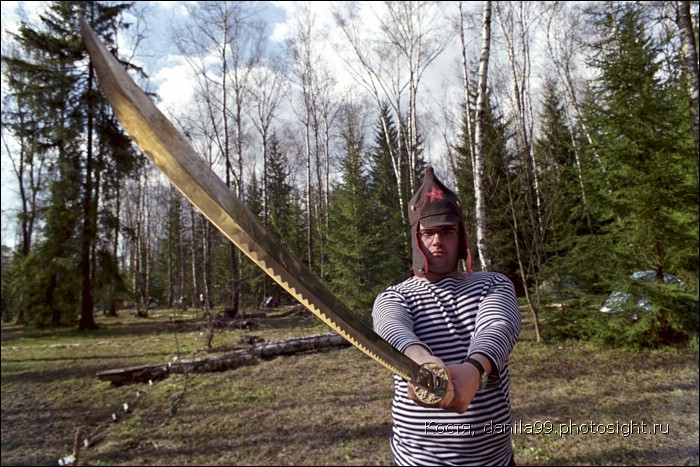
673 318
498 212
46 287
109 284
284 215
653 315
645 197
351 242
574 321
70 130
392 261
626 199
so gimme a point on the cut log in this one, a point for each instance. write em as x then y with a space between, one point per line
295 310
223 362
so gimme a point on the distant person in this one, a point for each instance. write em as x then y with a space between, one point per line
465 321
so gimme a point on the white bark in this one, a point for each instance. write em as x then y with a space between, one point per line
478 160
390 66
516 34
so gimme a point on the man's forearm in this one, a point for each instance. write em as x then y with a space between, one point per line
418 353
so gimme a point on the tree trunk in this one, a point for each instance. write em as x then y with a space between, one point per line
521 265
520 80
87 319
465 79
224 362
196 301
207 281
478 166
690 55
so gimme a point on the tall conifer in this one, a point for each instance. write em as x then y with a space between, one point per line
77 135
647 192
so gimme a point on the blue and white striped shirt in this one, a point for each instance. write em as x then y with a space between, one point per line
453 317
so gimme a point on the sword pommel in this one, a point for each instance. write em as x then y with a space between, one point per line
432 383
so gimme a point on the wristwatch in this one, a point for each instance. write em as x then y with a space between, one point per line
484 377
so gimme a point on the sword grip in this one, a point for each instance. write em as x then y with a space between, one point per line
435 385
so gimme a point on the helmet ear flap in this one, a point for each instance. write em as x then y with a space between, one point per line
465 254
420 262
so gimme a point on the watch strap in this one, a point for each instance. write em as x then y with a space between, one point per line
480 368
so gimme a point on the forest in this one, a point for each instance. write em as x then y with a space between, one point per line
569 131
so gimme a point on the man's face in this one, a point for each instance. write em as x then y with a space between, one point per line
440 245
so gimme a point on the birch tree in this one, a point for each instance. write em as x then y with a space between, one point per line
563 47
227 31
389 63
684 20
268 93
478 158
313 86
565 43
516 19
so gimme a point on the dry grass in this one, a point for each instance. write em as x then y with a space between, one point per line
318 409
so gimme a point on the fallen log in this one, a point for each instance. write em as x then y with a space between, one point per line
223 362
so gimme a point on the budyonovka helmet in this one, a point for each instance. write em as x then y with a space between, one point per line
433 205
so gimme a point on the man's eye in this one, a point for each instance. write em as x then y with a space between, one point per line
430 234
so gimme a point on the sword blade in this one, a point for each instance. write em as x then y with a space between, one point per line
194 178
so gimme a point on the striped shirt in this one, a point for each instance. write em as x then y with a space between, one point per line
453 317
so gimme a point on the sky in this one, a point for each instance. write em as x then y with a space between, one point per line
169 73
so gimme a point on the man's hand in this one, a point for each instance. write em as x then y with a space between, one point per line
462 386
421 355
465 379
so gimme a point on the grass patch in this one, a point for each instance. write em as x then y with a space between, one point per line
325 408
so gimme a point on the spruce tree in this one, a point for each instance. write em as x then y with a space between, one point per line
394 258
76 134
284 215
254 282
647 192
561 188
496 166
352 248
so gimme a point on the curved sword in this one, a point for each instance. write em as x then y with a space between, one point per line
192 176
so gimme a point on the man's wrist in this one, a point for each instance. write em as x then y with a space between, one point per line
483 375
483 360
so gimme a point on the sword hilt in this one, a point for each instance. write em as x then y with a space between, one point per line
433 383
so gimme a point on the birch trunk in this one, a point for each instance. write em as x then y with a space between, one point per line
224 362
520 81
478 166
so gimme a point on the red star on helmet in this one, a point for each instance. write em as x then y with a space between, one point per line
434 194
